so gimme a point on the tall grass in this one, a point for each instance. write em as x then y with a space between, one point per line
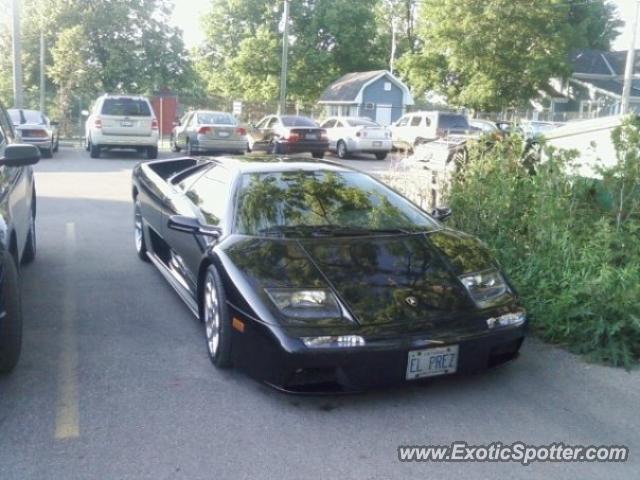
570 245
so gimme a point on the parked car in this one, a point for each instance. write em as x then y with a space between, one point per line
349 135
35 128
484 126
288 134
533 130
420 127
17 234
311 276
122 121
207 131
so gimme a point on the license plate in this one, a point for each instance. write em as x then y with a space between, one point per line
223 134
126 123
311 136
432 362
377 144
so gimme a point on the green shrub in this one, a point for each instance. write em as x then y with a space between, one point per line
574 257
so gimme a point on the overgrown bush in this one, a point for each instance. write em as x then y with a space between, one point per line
571 245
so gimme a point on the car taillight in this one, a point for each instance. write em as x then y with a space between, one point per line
204 130
323 135
241 131
154 124
97 123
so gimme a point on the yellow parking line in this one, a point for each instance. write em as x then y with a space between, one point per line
67 418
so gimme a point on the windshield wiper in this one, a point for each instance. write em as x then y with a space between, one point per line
330 230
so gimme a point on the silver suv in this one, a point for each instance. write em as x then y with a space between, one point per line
122 121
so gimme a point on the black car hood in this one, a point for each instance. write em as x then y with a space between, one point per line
382 280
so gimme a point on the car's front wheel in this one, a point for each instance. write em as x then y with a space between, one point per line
341 150
94 150
381 155
11 322
215 316
29 253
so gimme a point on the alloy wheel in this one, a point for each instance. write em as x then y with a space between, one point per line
211 315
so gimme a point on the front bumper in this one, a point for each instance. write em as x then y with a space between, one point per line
288 365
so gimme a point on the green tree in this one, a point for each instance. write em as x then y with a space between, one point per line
500 53
328 38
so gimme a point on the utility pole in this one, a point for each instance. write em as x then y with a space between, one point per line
628 71
17 60
42 84
285 52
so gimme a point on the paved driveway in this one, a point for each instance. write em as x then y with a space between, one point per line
115 383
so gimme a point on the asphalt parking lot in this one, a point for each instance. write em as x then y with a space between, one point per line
114 381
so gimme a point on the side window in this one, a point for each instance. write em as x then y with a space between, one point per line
329 124
427 121
339 124
416 121
262 123
402 122
211 193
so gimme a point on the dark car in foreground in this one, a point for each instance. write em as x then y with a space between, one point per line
17 235
314 277
286 134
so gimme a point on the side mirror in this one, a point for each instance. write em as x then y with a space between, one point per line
84 113
181 223
20 155
441 213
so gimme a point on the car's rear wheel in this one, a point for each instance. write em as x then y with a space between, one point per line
94 150
215 316
341 150
29 253
11 323
138 232
381 155
152 153
174 144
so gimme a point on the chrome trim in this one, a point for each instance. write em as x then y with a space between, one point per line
176 283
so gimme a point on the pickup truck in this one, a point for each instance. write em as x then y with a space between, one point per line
17 235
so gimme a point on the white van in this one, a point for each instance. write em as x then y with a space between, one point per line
419 127
122 121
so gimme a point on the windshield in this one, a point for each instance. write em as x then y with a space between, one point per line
129 107
361 122
215 118
350 200
292 121
453 121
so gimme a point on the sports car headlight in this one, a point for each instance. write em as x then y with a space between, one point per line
485 288
305 304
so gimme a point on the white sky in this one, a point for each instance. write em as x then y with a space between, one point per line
187 15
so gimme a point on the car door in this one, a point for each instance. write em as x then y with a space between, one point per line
206 198
399 133
329 125
15 186
255 133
